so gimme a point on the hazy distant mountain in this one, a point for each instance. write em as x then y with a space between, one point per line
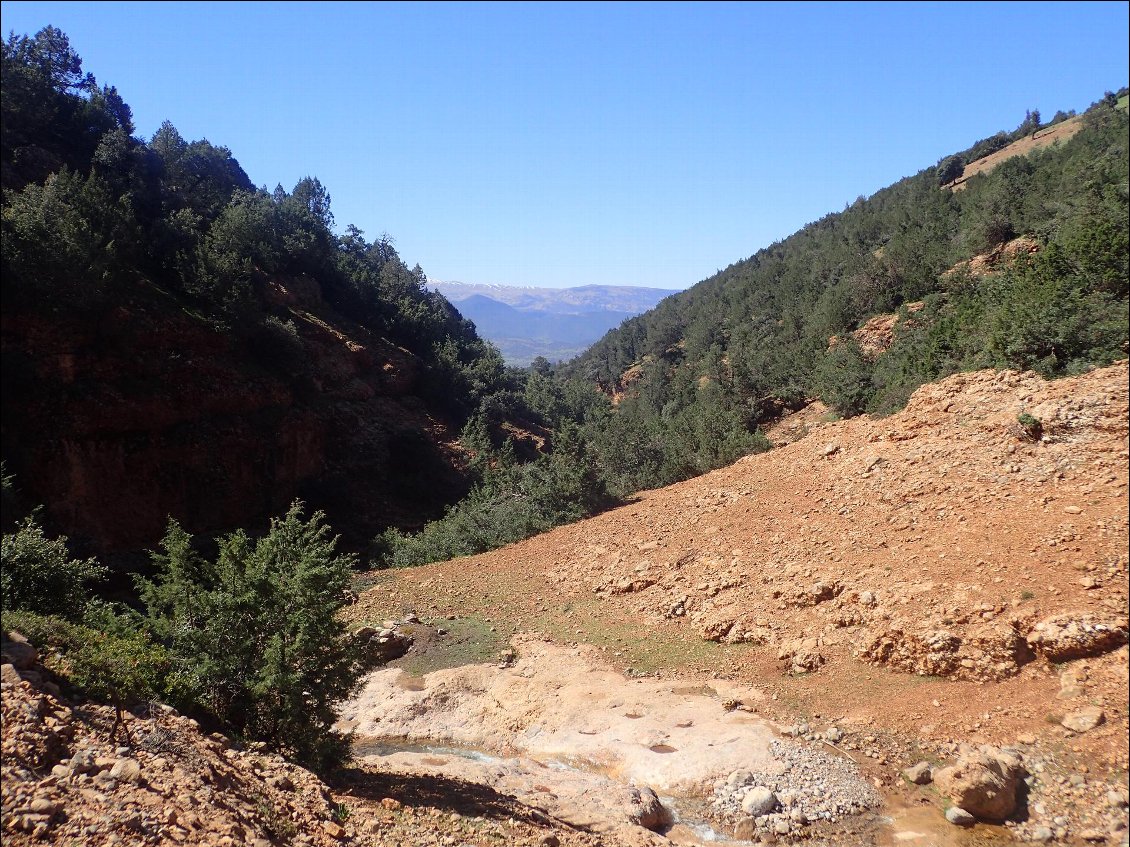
558 323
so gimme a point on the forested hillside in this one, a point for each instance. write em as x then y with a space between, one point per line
179 342
1025 267
774 330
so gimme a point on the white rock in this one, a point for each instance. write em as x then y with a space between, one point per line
759 801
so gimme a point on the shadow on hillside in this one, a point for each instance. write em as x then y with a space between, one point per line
449 794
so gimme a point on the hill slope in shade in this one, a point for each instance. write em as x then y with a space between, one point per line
557 323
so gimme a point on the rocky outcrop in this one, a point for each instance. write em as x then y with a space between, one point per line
1077 635
980 652
117 421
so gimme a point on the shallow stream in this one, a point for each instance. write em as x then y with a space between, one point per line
564 733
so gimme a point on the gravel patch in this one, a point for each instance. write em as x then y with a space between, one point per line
813 787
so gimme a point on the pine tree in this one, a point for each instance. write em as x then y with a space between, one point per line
255 634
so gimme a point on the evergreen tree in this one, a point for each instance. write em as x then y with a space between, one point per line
255 635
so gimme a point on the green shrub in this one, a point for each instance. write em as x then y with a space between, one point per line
121 668
1033 428
39 575
843 378
254 635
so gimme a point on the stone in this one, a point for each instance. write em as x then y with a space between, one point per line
18 653
1093 835
982 782
1084 719
919 774
738 779
127 770
1118 798
1041 835
959 817
332 829
9 674
746 829
801 655
550 840
644 809
43 806
759 801
834 734
282 782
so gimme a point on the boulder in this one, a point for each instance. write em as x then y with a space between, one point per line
1084 719
644 809
15 650
983 782
759 801
801 655
919 774
959 816
127 770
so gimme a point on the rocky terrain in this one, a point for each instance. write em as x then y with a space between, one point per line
949 577
909 630
163 781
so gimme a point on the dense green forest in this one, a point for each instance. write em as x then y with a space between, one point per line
91 212
754 339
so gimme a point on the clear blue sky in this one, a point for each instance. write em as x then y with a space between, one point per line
543 144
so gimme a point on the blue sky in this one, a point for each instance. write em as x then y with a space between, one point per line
557 145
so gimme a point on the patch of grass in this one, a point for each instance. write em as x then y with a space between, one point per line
468 641
1026 595
274 821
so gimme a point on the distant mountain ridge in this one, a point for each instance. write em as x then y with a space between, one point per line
558 323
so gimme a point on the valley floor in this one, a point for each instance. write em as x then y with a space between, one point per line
925 581
815 620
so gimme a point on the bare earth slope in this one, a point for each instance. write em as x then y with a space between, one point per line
1054 134
934 578
801 627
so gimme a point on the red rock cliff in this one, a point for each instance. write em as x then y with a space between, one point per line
115 421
